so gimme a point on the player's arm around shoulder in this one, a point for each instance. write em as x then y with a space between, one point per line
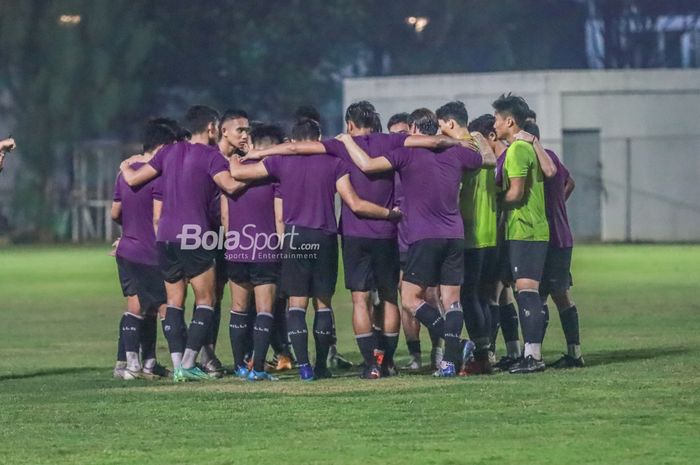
363 161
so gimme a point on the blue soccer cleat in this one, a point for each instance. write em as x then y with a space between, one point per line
446 370
241 372
260 376
306 372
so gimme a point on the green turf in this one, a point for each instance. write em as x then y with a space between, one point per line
636 403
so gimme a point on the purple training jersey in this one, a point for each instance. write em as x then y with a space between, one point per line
430 183
138 241
251 217
189 190
377 188
307 188
399 202
555 205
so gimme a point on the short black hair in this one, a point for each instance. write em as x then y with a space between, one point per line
425 121
306 129
307 111
198 117
532 128
396 119
376 123
531 114
232 113
155 133
483 125
361 114
512 105
455 110
180 132
269 134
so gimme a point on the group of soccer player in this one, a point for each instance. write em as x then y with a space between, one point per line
444 222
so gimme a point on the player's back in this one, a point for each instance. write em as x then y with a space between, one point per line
188 188
555 204
138 238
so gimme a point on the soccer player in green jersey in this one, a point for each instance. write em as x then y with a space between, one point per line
477 200
527 229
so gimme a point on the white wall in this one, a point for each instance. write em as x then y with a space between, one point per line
658 109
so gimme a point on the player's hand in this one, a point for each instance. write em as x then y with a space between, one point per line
235 160
125 165
135 157
395 215
254 154
526 136
2 160
7 145
343 136
470 143
480 139
115 244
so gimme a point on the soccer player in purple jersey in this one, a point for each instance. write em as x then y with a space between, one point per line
308 185
504 315
253 262
192 174
137 264
435 230
556 278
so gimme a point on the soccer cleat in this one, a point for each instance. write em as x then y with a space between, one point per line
567 361
322 373
241 372
505 363
436 356
181 374
306 372
527 365
371 372
260 376
389 369
214 369
446 370
492 357
129 374
284 363
118 372
467 349
337 360
414 363
159 370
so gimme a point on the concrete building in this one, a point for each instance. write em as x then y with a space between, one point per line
629 137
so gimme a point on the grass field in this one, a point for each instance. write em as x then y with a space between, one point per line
638 402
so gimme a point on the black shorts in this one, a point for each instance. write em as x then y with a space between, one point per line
480 267
256 274
310 268
221 269
431 262
557 270
177 264
527 259
402 260
371 264
143 281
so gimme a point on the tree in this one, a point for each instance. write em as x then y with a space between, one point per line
71 69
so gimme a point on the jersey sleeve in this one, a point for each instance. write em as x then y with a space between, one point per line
396 140
276 192
341 169
273 165
398 158
117 189
336 148
469 158
157 161
157 188
217 164
518 160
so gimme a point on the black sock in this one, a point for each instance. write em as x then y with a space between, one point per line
545 309
454 320
175 329
509 323
215 324
131 332
413 347
473 315
431 318
252 315
391 341
238 333
569 323
495 323
298 333
261 339
531 316
149 334
367 343
324 335
121 353
200 327
279 339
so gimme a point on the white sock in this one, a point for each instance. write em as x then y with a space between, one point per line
132 361
149 364
533 349
574 350
513 349
176 357
120 365
189 358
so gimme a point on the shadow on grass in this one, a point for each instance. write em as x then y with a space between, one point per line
610 357
49 372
